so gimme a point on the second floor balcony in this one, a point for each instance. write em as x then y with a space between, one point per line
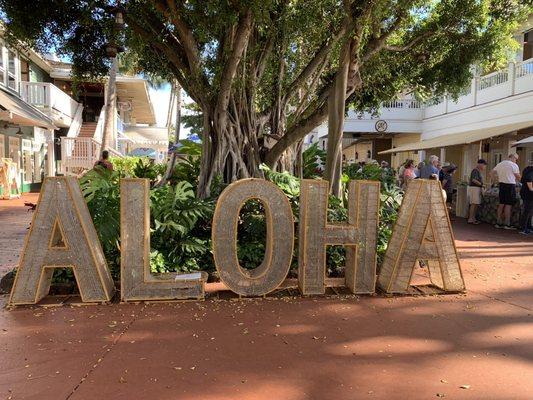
51 100
497 97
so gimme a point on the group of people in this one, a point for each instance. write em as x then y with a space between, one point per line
432 170
507 174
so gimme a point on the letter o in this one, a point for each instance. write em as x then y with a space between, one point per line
279 237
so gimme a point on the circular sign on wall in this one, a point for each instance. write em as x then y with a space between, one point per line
381 125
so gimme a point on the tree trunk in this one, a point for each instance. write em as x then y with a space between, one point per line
176 92
230 150
336 109
110 104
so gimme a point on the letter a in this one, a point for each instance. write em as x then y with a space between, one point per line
422 232
62 234
359 236
279 238
136 281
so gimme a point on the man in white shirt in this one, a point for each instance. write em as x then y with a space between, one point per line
507 173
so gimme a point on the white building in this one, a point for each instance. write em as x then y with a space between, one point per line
494 112
46 129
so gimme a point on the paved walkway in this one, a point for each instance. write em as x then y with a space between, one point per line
14 221
473 346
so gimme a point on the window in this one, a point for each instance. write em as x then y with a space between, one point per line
2 65
11 70
27 159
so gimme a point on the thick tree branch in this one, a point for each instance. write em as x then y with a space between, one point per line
170 10
323 52
230 66
296 133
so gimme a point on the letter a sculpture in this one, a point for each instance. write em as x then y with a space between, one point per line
422 232
62 234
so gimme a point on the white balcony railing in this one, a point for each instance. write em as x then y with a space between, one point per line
403 104
517 78
49 97
79 154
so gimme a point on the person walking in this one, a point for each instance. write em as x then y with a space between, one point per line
474 190
430 168
526 193
507 173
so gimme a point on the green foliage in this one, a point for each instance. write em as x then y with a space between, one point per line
138 167
175 212
178 242
314 159
187 167
102 193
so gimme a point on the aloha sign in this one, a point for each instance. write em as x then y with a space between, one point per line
62 235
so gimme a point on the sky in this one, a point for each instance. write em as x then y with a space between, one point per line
160 100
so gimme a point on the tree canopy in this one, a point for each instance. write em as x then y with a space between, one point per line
261 71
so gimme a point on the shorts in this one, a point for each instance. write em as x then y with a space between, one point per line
474 194
507 194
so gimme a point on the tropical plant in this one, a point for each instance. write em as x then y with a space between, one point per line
102 193
175 212
314 159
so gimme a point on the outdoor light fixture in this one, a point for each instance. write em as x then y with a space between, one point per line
19 132
112 48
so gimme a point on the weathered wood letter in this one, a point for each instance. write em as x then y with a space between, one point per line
422 232
279 238
62 234
359 236
137 282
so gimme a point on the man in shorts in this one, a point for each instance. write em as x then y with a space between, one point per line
507 173
475 187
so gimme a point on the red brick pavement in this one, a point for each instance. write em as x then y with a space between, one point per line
473 346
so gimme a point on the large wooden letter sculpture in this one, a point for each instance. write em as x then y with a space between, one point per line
62 234
359 236
279 238
137 282
422 232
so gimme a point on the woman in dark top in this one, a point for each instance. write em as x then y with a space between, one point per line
526 193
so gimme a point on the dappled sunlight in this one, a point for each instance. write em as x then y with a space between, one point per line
382 346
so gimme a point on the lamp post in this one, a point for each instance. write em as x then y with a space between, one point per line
112 49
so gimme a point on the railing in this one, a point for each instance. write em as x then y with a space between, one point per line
524 68
99 131
402 103
48 96
493 79
77 121
79 154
